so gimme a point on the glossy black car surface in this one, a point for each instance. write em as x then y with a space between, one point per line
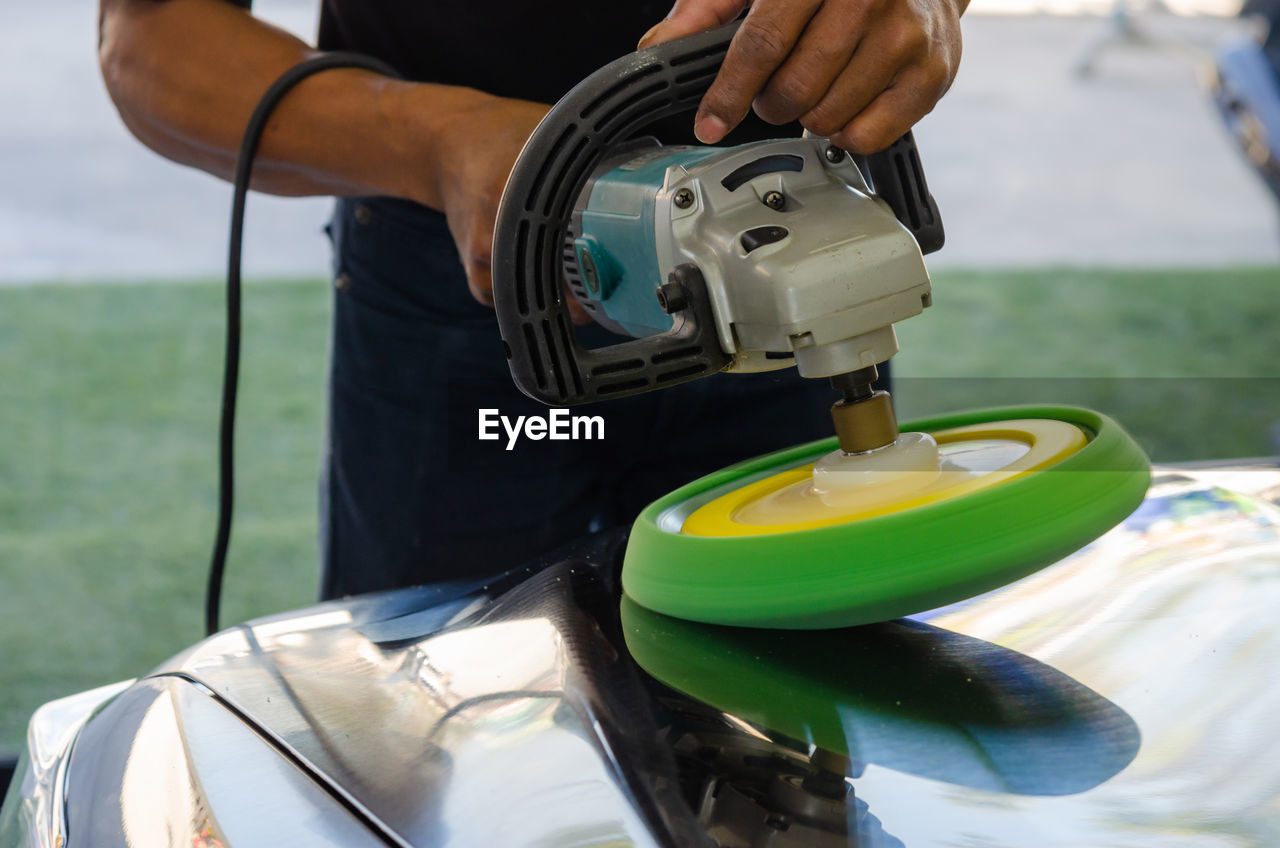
1124 696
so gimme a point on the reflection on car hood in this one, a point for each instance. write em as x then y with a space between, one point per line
1124 696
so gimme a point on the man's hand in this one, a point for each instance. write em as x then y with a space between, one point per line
473 156
343 132
860 72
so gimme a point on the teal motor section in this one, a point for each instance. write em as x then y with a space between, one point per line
616 246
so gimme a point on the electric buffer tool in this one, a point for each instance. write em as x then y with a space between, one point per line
778 254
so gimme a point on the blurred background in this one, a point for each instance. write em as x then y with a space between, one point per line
1107 244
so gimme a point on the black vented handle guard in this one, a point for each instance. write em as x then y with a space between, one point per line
598 115
898 179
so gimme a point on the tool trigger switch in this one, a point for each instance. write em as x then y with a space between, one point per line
760 236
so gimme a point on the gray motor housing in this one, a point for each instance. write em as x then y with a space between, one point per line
799 256
802 262
594 120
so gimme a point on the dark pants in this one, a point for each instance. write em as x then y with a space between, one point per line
410 494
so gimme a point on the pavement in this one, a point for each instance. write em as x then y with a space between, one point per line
1031 164
81 199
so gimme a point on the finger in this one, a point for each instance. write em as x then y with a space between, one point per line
870 71
480 282
767 35
888 117
821 55
689 16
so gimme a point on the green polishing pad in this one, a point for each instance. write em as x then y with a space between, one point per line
699 554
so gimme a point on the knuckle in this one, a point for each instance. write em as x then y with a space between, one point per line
939 74
911 42
475 254
478 284
480 245
862 138
831 51
821 121
922 92
828 51
762 40
790 93
791 89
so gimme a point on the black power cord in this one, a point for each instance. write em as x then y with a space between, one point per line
231 363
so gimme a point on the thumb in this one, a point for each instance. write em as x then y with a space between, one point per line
689 16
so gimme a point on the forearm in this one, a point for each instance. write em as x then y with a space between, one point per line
186 75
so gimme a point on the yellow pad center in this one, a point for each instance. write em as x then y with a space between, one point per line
970 459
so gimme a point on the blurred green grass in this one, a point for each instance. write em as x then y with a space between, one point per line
108 407
108 398
1188 361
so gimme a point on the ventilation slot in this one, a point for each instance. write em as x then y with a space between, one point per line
904 180
556 370
535 355
617 367
566 339
539 257
563 203
551 156
681 373
681 353
922 194
568 186
687 97
609 94
633 100
615 388
716 52
572 273
694 75
522 279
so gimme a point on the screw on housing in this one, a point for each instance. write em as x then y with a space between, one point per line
672 297
775 200
834 155
684 198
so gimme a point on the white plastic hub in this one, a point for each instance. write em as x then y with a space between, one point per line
894 471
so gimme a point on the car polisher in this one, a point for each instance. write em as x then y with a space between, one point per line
768 255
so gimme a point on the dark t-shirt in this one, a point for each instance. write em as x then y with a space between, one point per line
534 50
531 49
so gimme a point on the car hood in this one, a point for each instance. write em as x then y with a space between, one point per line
1124 696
